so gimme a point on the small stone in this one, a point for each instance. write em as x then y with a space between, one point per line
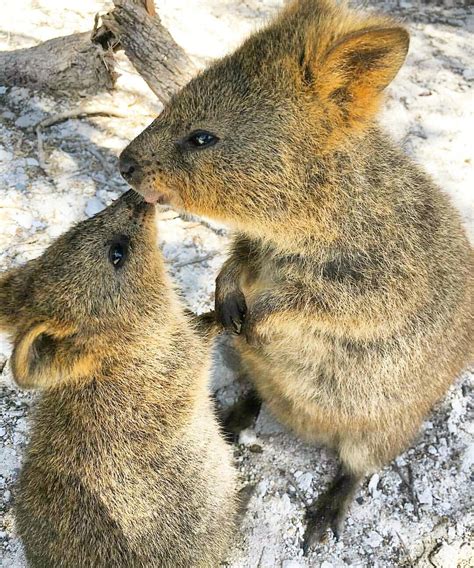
32 162
8 115
18 439
24 219
2 432
36 224
7 495
426 497
326 564
3 90
292 563
466 554
400 461
373 483
374 540
454 22
27 120
445 556
285 504
247 437
468 458
5 156
261 488
304 481
93 206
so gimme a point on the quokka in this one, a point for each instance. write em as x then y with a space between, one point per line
126 466
350 278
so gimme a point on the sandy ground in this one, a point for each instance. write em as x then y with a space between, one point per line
429 110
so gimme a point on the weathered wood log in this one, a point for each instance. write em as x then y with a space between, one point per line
150 47
85 62
68 64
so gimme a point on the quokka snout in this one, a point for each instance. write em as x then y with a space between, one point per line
126 466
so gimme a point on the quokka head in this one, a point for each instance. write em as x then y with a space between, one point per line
85 297
240 143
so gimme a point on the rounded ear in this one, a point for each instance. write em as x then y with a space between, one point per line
355 70
46 355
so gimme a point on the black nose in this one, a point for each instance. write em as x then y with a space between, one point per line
128 166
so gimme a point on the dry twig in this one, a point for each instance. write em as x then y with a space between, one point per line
86 110
197 260
409 485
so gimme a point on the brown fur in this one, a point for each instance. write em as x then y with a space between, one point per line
353 266
126 465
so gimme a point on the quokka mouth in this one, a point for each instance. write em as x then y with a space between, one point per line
156 198
159 195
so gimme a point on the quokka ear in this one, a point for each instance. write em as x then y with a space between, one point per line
354 71
46 355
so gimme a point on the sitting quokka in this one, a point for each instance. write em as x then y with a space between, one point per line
126 466
350 276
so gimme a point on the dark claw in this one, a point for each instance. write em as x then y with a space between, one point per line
232 311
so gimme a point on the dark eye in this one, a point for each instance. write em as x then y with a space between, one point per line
201 139
118 251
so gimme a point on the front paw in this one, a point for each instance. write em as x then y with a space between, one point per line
231 311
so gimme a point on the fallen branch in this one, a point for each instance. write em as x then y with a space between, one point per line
85 62
196 260
79 112
150 47
65 64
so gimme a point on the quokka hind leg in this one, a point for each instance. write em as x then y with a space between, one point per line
240 415
330 509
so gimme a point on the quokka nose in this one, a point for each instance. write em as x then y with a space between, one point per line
128 167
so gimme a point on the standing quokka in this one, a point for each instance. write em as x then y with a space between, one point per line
126 467
350 277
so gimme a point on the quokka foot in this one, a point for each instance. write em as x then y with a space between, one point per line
329 511
241 415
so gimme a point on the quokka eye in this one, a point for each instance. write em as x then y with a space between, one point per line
118 252
201 139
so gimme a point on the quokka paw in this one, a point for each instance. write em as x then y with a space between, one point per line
231 311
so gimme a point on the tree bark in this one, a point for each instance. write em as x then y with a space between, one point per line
85 62
150 47
65 64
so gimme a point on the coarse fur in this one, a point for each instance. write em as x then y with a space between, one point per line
126 466
350 277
